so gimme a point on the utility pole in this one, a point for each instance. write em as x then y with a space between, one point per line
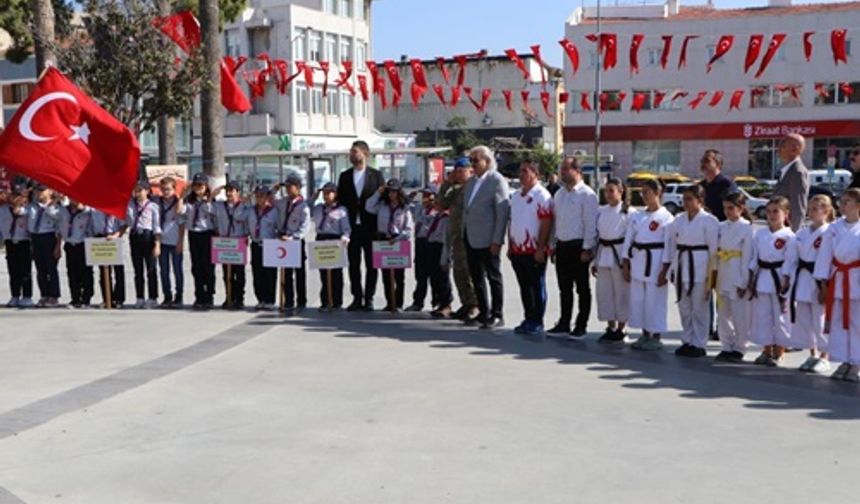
597 111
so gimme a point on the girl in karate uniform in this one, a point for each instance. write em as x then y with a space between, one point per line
806 302
643 258
692 242
770 267
734 253
613 293
838 262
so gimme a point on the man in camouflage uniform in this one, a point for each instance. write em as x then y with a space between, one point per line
451 193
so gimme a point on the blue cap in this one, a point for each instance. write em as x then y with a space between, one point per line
233 184
200 178
293 179
462 162
263 189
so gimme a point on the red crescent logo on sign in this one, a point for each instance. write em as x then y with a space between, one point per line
779 244
653 226
282 252
817 243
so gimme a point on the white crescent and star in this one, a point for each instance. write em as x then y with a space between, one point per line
25 127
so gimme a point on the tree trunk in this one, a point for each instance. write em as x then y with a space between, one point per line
43 33
211 114
166 125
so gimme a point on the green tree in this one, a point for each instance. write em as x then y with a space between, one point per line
548 159
466 138
16 17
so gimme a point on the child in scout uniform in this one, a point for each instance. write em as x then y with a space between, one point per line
331 222
232 218
19 261
294 222
171 214
144 236
200 223
439 260
422 214
74 228
263 225
394 222
43 224
107 226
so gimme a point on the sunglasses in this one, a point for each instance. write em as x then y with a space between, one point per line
855 153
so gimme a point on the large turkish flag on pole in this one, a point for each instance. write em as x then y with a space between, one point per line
65 140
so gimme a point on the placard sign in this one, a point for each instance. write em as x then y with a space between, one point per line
327 254
229 250
387 255
282 253
104 252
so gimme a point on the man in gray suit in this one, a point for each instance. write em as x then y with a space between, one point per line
485 218
793 178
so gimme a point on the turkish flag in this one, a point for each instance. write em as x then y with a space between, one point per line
723 46
821 90
524 96
658 99
373 69
455 96
667 47
603 99
583 101
536 52
440 62
418 75
735 102
417 93
393 76
440 93
807 45
324 66
513 56
694 103
609 47
232 97
635 42
716 98
563 97
461 74
507 94
485 97
308 71
182 28
362 87
753 50
775 42
65 140
837 43
545 99
682 60
572 53
638 102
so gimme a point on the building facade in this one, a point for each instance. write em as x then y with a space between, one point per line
815 98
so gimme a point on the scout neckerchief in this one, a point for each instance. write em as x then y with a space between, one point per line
419 224
14 221
260 218
72 214
230 211
325 218
163 211
138 213
391 219
436 221
39 212
291 205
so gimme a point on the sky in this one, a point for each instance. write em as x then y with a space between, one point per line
429 28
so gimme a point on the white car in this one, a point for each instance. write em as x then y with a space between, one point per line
673 197
755 206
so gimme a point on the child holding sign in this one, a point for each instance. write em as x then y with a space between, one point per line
263 225
19 261
295 220
394 222
107 226
74 228
232 219
332 223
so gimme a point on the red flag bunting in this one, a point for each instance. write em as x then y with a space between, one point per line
455 96
723 47
524 97
635 42
846 88
254 81
679 94
572 53
583 101
753 50
485 97
837 44
234 65
563 97
682 60
393 77
807 45
716 98
73 146
232 96
667 48
775 41
735 102
658 99
284 78
822 91
373 69
604 101
694 103
609 47
308 72
619 98
461 75
416 92
362 87
536 52
324 66
418 75
345 74
638 102
440 62
440 93
182 28
544 99
513 56
507 94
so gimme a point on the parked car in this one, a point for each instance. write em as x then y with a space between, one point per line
746 181
841 177
673 197
755 206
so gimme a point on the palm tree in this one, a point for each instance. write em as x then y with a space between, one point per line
211 114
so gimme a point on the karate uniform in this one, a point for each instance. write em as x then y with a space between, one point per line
263 225
691 245
773 256
807 314
172 236
232 220
43 224
391 224
613 293
839 261
644 244
74 229
295 222
331 223
733 258
201 226
19 258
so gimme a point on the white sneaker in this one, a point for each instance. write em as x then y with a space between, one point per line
853 374
25 303
13 303
152 303
821 366
141 304
808 364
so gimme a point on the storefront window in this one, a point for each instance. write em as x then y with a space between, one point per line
837 93
657 156
840 147
763 158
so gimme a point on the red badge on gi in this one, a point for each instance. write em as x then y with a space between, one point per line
817 243
779 244
62 138
654 225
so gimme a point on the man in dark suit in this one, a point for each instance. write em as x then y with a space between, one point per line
354 187
793 178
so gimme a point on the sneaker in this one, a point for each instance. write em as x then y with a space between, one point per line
355 306
42 302
652 344
166 304
521 329
559 329
25 303
534 330
841 371
853 374
52 303
414 308
141 304
821 366
177 303
612 337
691 351
774 361
639 344
13 303
578 332
681 350
724 356
808 364
151 303
736 357
492 323
443 312
762 359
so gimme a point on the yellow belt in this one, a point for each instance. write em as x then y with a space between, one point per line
726 255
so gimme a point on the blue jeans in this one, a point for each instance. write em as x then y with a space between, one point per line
169 256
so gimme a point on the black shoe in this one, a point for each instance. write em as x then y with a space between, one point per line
368 307
177 303
578 332
459 314
226 305
723 356
681 349
612 336
471 322
414 308
355 306
690 351
559 329
492 323
736 357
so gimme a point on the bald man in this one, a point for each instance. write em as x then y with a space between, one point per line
793 178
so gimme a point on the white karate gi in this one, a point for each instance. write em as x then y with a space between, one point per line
733 260
842 243
613 293
807 328
769 310
647 300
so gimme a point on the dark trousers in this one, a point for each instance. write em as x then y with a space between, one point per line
19 263
47 275
361 242
570 271
399 281
440 280
235 275
80 275
336 280
202 269
170 258
531 275
265 279
296 291
485 267
143 262
116 280
422 273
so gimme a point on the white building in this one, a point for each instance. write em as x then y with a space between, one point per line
430 120
673 137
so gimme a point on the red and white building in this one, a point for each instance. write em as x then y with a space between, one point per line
815 98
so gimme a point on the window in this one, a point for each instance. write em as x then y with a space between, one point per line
232 46
316 100
315 43
345 49
301 99
15 94
360 55
347 104
359 10
328 6
658 156
654 56
331 47
332 103
648 97
776 96
612 104
592 59
837 93
345 9
362 108
299 46
763 158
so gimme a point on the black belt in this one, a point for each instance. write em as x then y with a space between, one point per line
801 266
569 243
647 247
612 244
773 267
691 274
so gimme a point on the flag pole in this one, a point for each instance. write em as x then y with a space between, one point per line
229 284
328 289
107 290
597 111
